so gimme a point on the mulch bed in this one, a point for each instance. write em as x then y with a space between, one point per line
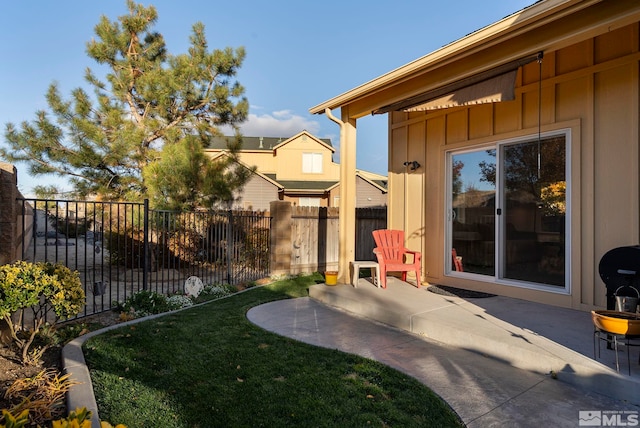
11 368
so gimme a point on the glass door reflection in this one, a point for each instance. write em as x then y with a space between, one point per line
473 203
533 220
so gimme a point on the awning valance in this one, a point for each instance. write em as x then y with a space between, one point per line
497 89
495 85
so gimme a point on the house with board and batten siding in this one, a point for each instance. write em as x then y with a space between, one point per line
526 145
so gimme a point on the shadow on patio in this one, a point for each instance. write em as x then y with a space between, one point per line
530 336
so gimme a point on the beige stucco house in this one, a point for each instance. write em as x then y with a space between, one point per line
526 139
298 169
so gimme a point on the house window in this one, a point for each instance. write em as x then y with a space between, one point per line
507 209
309 202
312 163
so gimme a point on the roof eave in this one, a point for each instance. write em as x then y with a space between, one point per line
372 183
306 191
304 132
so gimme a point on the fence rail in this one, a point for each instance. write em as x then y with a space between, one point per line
120 248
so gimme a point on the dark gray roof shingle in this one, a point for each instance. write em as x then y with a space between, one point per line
254 143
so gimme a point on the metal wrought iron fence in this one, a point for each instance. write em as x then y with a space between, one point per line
120 248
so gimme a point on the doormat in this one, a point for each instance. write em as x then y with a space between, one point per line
445 290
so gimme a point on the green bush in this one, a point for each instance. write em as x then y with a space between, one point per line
179 301
126 247
143 303
65 296
214 291
73 227
40 287
79 418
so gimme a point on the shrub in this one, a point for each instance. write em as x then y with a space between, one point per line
179 301
143 303
14 421
214 291
41 396
41 287
72 227
65 296
256 248
126 247
79 418
186 245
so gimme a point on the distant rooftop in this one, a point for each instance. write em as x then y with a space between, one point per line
254 143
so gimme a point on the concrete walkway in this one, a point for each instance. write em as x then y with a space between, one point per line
486 389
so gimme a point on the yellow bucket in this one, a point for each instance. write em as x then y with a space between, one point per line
331 277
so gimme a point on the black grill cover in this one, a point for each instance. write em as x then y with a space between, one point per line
620 267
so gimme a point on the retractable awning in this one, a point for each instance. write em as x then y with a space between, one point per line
495 85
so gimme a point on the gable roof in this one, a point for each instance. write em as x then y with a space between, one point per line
378 181
304 134
305 186
262 143
266 177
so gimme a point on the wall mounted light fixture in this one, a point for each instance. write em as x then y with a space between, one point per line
413 165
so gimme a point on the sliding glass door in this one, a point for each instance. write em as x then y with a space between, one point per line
472 214
507 209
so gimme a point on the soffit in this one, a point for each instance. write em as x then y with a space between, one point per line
308 186
495 85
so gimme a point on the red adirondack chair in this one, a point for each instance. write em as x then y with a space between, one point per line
456 261
392 255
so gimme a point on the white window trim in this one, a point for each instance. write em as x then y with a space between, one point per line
309 202
312 163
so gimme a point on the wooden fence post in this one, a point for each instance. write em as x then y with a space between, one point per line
281 245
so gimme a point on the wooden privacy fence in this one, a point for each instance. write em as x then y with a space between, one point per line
305 239
314 238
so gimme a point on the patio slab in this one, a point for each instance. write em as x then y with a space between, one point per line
484 391
537 338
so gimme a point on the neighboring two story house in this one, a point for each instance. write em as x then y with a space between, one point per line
299 169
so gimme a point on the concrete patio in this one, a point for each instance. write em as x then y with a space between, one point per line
535 337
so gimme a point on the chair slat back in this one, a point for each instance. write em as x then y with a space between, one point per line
390 242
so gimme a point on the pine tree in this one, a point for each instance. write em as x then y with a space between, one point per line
202 183
150 107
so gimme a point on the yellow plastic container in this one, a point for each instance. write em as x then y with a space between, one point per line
331 277
617 322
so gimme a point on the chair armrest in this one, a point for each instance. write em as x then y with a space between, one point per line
416 254
379 255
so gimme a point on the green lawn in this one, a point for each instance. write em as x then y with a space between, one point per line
208 366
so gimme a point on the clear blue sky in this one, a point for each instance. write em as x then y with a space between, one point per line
299 53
